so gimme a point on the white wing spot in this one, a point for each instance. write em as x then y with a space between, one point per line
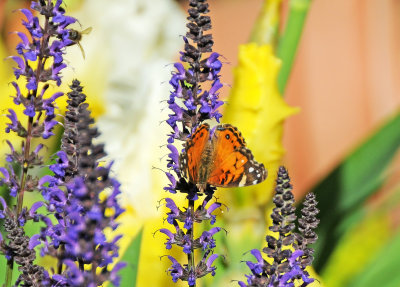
258 175
242 160
243 180
251 169
255 181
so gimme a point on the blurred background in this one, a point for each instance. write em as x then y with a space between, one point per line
345 79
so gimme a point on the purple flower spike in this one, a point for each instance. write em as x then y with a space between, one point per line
290 268
189 107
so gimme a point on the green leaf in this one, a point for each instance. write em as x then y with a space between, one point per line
343 192
287 47
383 269
131 258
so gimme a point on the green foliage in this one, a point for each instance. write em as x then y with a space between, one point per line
131 258
287 47
343 193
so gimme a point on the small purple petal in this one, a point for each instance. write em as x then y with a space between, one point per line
20 62
28 14
34 241
35 207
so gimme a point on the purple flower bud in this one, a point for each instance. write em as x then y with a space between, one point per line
17 98
34 241
75 277
256 268
14 121
31 85
30 109
48 127
6 176
4 204
171 236
55 71
175 270
28 14
211 260
35 207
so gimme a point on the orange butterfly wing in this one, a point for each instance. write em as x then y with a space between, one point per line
233 163
190 159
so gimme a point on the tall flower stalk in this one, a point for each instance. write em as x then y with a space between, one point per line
81 195
83 198
191 105
39 62
288 251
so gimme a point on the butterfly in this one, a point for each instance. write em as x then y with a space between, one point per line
222 161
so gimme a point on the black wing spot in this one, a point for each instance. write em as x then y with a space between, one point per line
227 137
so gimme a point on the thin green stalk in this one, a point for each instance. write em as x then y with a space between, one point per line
266 28
9 272
287 47
191 263
27 146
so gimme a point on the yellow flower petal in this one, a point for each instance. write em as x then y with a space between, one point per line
258 110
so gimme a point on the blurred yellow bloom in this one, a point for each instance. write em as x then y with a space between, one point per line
267 26
256 107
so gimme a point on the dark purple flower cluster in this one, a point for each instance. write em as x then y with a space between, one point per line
72 194
191 104
80 197
39 61
287 266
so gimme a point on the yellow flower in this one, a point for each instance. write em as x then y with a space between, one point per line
258 110
267 26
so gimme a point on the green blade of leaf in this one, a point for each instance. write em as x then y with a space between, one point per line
347 187
287 47
383 269
131 258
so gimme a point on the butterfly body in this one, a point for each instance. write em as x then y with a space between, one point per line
220 159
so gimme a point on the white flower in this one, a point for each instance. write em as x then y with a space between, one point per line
127 54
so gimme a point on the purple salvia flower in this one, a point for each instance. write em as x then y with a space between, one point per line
72 194
176 270
189 106
15 124
287 267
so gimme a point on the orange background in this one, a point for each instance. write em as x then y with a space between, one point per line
346 77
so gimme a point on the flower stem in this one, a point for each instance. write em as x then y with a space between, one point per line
27 146
191 264
288 43
9 272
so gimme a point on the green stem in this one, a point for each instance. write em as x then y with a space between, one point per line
27 146
191 264
288 43
9 272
